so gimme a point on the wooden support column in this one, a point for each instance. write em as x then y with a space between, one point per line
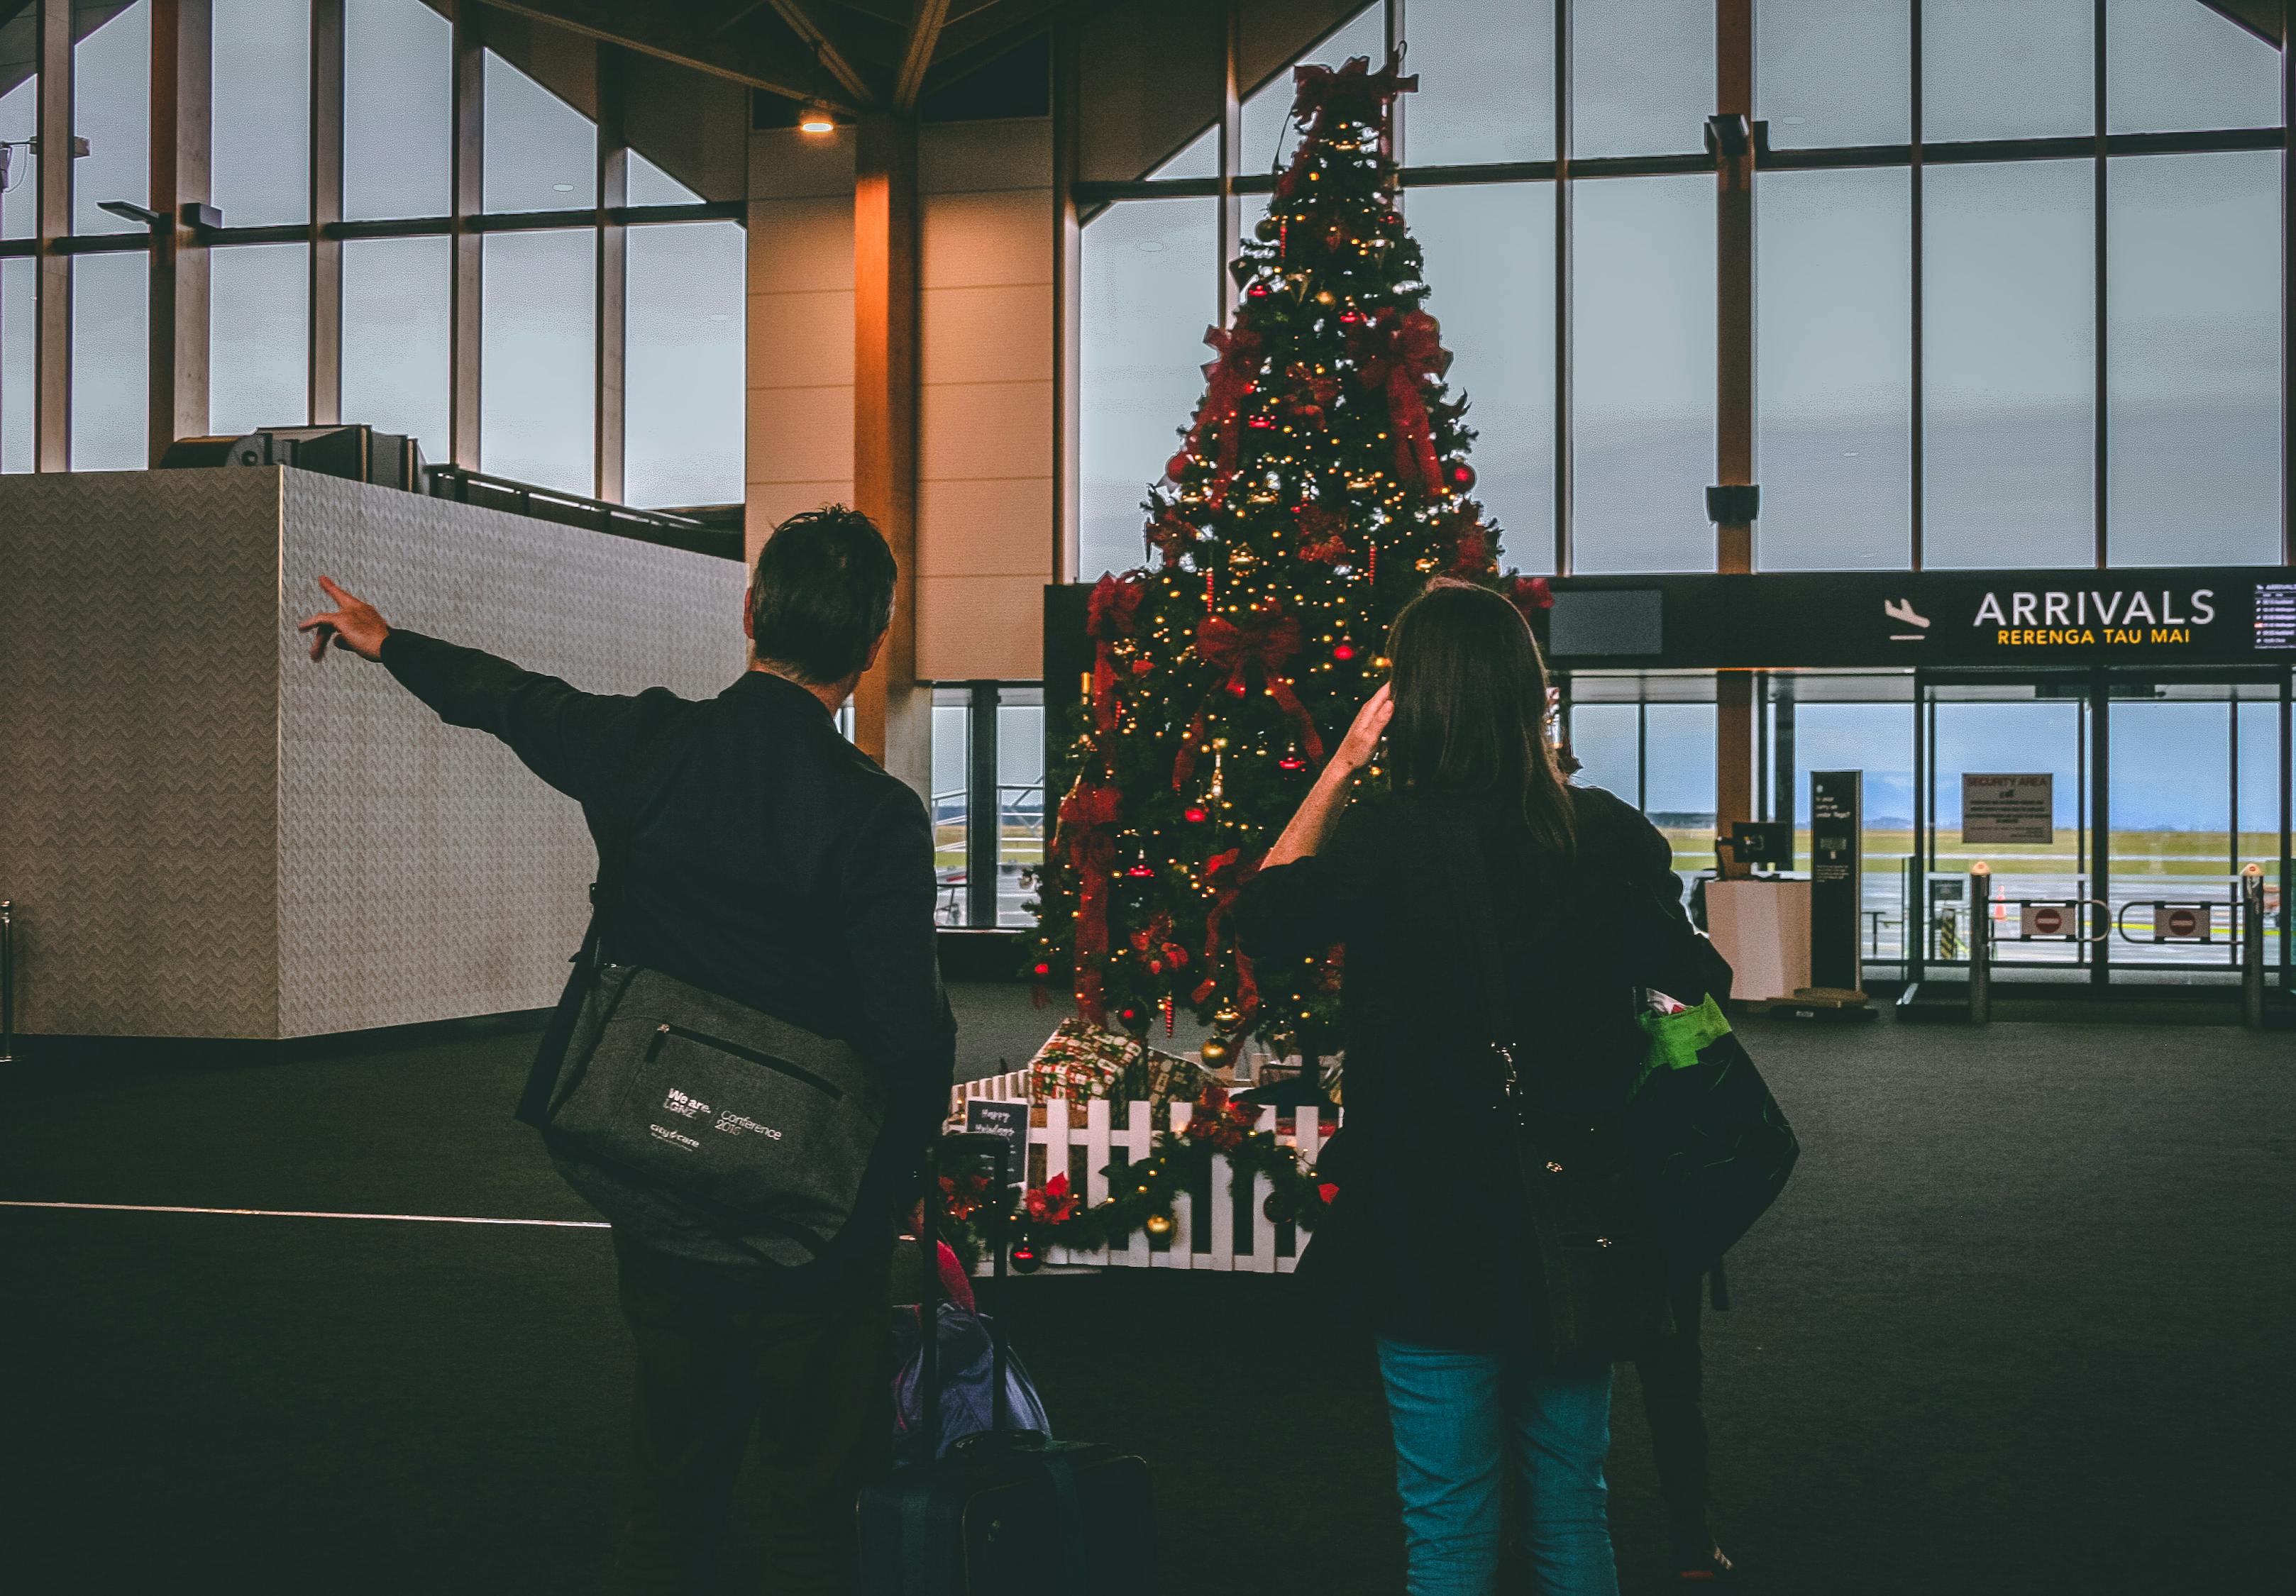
182 74
52 334
1068 300
892 713
1735 709
611 320
1231 158
326 324
467 200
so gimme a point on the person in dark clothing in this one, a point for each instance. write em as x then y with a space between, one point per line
1673 1379
1428 1237
753 852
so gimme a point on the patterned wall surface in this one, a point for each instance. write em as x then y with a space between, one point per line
138 708
424 873
207 835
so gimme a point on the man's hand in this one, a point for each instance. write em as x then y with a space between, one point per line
354 623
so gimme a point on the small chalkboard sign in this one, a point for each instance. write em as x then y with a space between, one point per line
984 1116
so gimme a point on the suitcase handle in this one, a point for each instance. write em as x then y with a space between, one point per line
999 1151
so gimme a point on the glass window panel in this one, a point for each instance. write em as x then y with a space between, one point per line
2172 65
110 422
951 757
651 185
1642 76
541 153
682 370
1268 132
1834 369
262 111
2258 787
2193 358
112 109
399 108
1878 741
258 337
1603 739
395 338
18 323
1834 72
1201 158
1486 82
1020 807
1489 253
1149 291
538 406
19 194
1678 780
1642 444
1991 70
2009 335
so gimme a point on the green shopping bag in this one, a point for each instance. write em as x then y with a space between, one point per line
1711 1144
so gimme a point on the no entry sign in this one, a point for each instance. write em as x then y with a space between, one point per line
2180 922
2048 921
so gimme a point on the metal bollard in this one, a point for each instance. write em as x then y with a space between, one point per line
1980 943
2252 948
7 981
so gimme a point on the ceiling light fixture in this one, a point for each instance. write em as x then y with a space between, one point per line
816 118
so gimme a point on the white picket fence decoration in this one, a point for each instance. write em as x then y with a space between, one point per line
1085 1144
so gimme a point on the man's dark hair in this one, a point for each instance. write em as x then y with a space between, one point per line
821 594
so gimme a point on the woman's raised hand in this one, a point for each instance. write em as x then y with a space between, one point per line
1370 726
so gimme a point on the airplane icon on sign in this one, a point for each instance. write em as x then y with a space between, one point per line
1903 612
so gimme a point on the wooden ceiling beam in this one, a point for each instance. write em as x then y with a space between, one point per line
925 25
659 31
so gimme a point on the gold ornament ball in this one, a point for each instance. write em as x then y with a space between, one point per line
1226 1018
1157 1225
1325 296
1217 1052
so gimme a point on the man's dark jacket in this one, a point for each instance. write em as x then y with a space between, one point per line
765 858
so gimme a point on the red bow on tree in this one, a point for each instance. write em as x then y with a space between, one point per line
1268 640
1226 873
1086 814
1354 93
1400 354
1227 380
1169 534
1113 612
1531 593
1323 534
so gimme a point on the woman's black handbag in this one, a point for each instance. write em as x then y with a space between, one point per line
1602 1269
761 1128
1713 1148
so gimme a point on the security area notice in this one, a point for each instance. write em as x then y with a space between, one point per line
2008 808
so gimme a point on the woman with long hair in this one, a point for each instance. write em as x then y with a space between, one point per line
1474 855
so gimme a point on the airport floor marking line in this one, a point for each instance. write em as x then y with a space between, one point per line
137 1208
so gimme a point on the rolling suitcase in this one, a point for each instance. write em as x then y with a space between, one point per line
1005 1512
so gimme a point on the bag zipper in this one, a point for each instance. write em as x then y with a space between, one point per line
664 1032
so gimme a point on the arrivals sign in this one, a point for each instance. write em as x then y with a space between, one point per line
2020 808
2212 616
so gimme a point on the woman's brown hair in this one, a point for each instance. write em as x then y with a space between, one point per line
1470 690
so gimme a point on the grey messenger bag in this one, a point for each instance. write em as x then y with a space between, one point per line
761 1128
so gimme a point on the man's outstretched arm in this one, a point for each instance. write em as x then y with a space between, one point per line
564 736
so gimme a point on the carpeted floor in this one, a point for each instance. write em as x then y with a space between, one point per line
2019 1326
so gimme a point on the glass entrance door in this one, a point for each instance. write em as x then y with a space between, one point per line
2194 779
2116 815
2007 782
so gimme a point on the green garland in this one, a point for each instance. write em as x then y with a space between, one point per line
1051 1216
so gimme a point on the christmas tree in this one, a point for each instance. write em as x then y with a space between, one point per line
1322 482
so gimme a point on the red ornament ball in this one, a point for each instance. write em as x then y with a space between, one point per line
1346 651
1351 318
1141 667
1258 291
1460 475
1291 762
1196 814
1044 970
1026 1259
1139 870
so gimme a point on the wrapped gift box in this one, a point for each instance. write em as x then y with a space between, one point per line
1082 1060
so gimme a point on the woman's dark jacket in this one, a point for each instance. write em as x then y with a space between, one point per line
1429 1237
